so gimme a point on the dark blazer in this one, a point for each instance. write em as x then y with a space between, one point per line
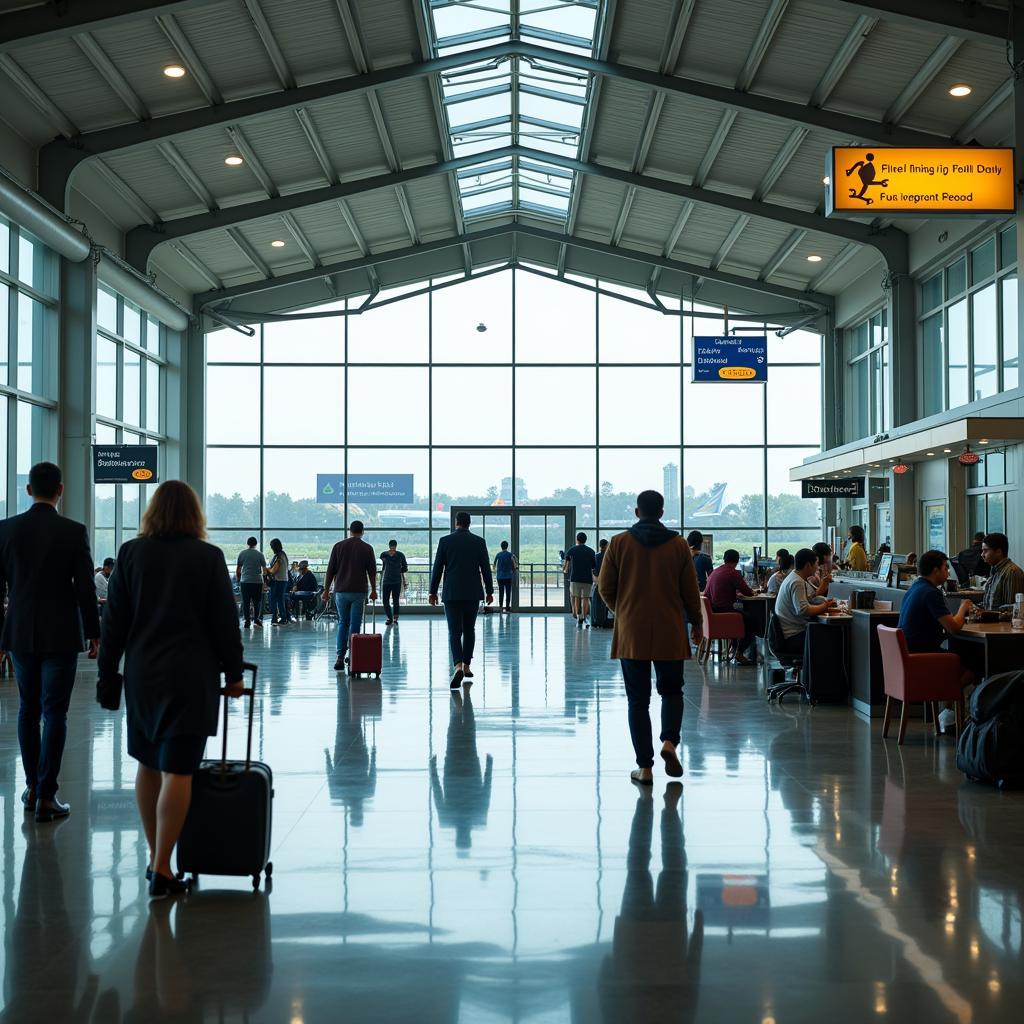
171 613
461 557
46 569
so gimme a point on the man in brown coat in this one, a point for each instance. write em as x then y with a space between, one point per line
647 578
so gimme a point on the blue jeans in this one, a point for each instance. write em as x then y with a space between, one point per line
278 607
669 682
349 606
44 682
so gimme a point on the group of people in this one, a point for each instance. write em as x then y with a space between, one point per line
289 587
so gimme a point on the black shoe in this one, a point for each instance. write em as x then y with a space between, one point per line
387 622
467 674
50 810
339 665
160 887
248 625
457 679
28 798
149 874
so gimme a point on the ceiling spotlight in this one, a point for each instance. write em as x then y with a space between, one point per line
174 71
982 440
234 160
960 89
813 258
277 243
947 450
826 180
930 454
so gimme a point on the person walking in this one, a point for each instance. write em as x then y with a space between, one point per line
249 571
461 559
505 568
648 580
46 573
352 570
277 574
393 567
580 563
171 615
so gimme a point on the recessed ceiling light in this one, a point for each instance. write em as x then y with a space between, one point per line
814 258
930 454
174 71
277 243
960 89
826 180
983 440
947 450
234 160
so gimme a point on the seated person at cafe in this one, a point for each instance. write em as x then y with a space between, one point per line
926 620
823 571
701 559
857 557
970 559
797 603
785 560
305 591
724 587
1005 580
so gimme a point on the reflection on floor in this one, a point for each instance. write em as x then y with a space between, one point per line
487 859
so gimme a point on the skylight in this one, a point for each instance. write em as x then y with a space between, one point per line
515 101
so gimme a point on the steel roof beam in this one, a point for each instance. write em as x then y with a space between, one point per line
842 59
835 265
782 160
316 143
924 77
353 227
300 239
714 147
782 254
58 160
188 56
128 195
270 44
197 265
252 161
108 71
730 241
967 131
620 223
762 41
247 250
677 230
39 100
892 243
970 20
189 176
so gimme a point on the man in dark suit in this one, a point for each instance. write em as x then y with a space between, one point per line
462 559
46 570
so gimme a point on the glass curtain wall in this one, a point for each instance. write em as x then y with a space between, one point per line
29 310
129 407
868 375
510 388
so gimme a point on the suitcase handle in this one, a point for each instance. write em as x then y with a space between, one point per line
250 692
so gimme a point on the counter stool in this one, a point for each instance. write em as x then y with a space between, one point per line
773 638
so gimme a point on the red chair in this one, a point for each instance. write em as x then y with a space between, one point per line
718 626
910 677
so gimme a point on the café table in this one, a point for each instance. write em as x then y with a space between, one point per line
1002 646
757 609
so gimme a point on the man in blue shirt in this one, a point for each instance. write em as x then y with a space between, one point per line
580 562
505 566
701 561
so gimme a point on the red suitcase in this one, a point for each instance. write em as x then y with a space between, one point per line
366 651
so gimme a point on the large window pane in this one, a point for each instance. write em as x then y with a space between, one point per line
5 338
470 476
983 261
153 335
396 333
388 405
785 506
487 389
233 405
132 329
625 472
956 345
555 323
304 405
152 395
986 342
860 399
36 264
306 341
740 504
289 487
106 309
723 413
233 487
33 445
32 347
3 448
132 384
230 346
394 462
932 366
555 404
1011 357
106 377
461 310
798 347
556 476
997 512
639 405
794 405
231 542
631 334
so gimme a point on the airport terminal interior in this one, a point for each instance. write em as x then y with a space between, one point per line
388 261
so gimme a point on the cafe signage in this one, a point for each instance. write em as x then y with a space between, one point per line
880 180
853 487
733 359
124 464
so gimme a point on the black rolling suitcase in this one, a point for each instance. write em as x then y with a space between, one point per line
600 617
227 830
824 668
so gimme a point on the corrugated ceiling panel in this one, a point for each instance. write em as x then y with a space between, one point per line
886 62
22 116
325 228
220 254
155 181
650 220
311 37
800 184
796 267
261 233
719 38
141 51
389 29
380 218
640 30
283 149
409 116
600 202
621 109
802 48
685 130
430 201
227 43
749 149
757 244
703 234
205 151
167 262
350 136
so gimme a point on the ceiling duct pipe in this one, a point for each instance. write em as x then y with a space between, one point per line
36 216
114 272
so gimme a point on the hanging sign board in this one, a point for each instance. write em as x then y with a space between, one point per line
365 489
733 359
879 181
851 488
124 464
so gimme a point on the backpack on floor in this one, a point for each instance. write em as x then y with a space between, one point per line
600 617
991 744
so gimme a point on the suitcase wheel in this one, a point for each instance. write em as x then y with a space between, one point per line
269 869
255 881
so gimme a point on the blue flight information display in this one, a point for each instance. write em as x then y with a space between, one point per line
365 488
740 359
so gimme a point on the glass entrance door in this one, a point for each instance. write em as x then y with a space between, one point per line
538 536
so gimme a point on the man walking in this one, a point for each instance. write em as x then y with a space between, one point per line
505 568
393 568
353 571
46 570
249 570
462 559
648 580
580 563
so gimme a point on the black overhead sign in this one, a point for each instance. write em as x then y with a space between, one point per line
850 488
124 464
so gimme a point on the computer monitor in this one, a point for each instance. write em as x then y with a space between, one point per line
884 567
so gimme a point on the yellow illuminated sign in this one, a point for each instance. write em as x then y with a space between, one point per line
878 180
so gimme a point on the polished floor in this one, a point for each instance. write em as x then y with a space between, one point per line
489 860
